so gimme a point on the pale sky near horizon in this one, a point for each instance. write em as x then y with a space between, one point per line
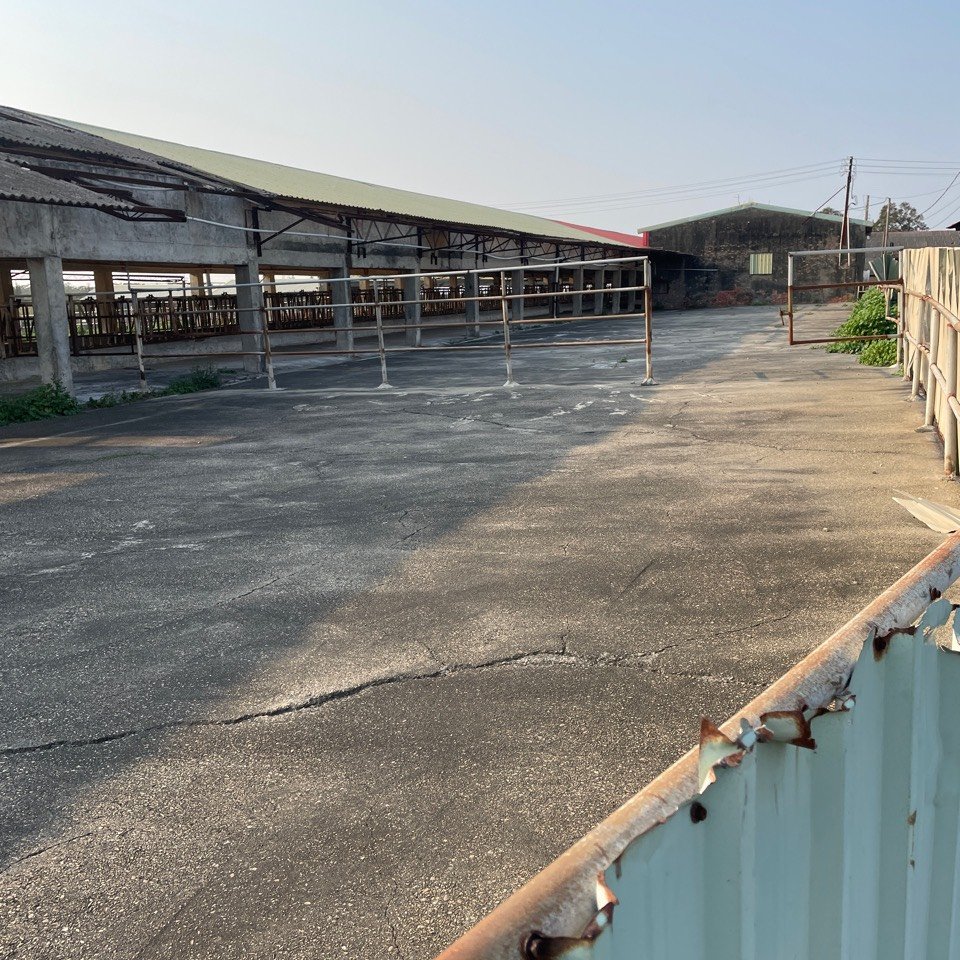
617 114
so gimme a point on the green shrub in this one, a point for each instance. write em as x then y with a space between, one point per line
48 400
51 400
868 319
879 353
202 378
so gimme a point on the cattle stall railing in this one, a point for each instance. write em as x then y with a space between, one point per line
391 309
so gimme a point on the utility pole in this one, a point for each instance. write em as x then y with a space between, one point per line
845 225
866 210
886 223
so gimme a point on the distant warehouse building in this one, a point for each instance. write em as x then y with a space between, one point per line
748 244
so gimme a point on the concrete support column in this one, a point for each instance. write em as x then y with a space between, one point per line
197 282
50 320
249 313
599 286
616 276
577 284
6 296
411 311
632 281
471 288
516 285
106 308
341 292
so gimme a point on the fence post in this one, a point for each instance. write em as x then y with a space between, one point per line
648 321
504 312
789 299
933 360
138 338
267 350
949 426
381 349
917 364
904 330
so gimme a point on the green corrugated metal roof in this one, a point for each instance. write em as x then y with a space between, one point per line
298 184
753 206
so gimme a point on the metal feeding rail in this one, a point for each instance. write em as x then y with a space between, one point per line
384 301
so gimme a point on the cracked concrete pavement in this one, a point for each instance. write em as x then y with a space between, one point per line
330 671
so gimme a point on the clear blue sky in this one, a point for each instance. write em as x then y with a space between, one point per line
525 103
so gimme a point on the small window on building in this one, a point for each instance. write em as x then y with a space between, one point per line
761 264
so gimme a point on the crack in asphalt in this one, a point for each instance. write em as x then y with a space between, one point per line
553 655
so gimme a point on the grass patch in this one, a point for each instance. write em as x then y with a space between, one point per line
48 400
867 319
51 400
879 353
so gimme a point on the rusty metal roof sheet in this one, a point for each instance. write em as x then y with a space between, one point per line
19 183
279 180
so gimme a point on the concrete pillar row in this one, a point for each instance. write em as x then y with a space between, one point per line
599 287
471 288
50 320
616 276
633 278
577 284
341 293
516 306
411 311
250 313
103 287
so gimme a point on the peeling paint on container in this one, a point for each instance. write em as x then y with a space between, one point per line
820 821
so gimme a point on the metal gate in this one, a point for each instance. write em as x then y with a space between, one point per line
793 288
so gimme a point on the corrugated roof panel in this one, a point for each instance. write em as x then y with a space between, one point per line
298 184
753 205
18 183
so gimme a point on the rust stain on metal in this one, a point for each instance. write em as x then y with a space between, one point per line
881 641
539 946
786 726
716 749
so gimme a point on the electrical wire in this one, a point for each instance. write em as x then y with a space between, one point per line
726 183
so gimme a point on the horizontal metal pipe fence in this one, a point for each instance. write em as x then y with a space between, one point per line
101 321
821 820
931 327
793 288
144 320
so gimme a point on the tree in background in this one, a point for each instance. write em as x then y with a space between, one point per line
835 212
903 216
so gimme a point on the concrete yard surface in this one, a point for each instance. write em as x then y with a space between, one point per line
329 671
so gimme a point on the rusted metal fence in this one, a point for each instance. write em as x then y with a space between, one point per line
821 820
856 287
930 322
389 304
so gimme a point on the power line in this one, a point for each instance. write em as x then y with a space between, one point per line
696 185
942 195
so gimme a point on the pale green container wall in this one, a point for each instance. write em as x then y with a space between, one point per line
849 851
